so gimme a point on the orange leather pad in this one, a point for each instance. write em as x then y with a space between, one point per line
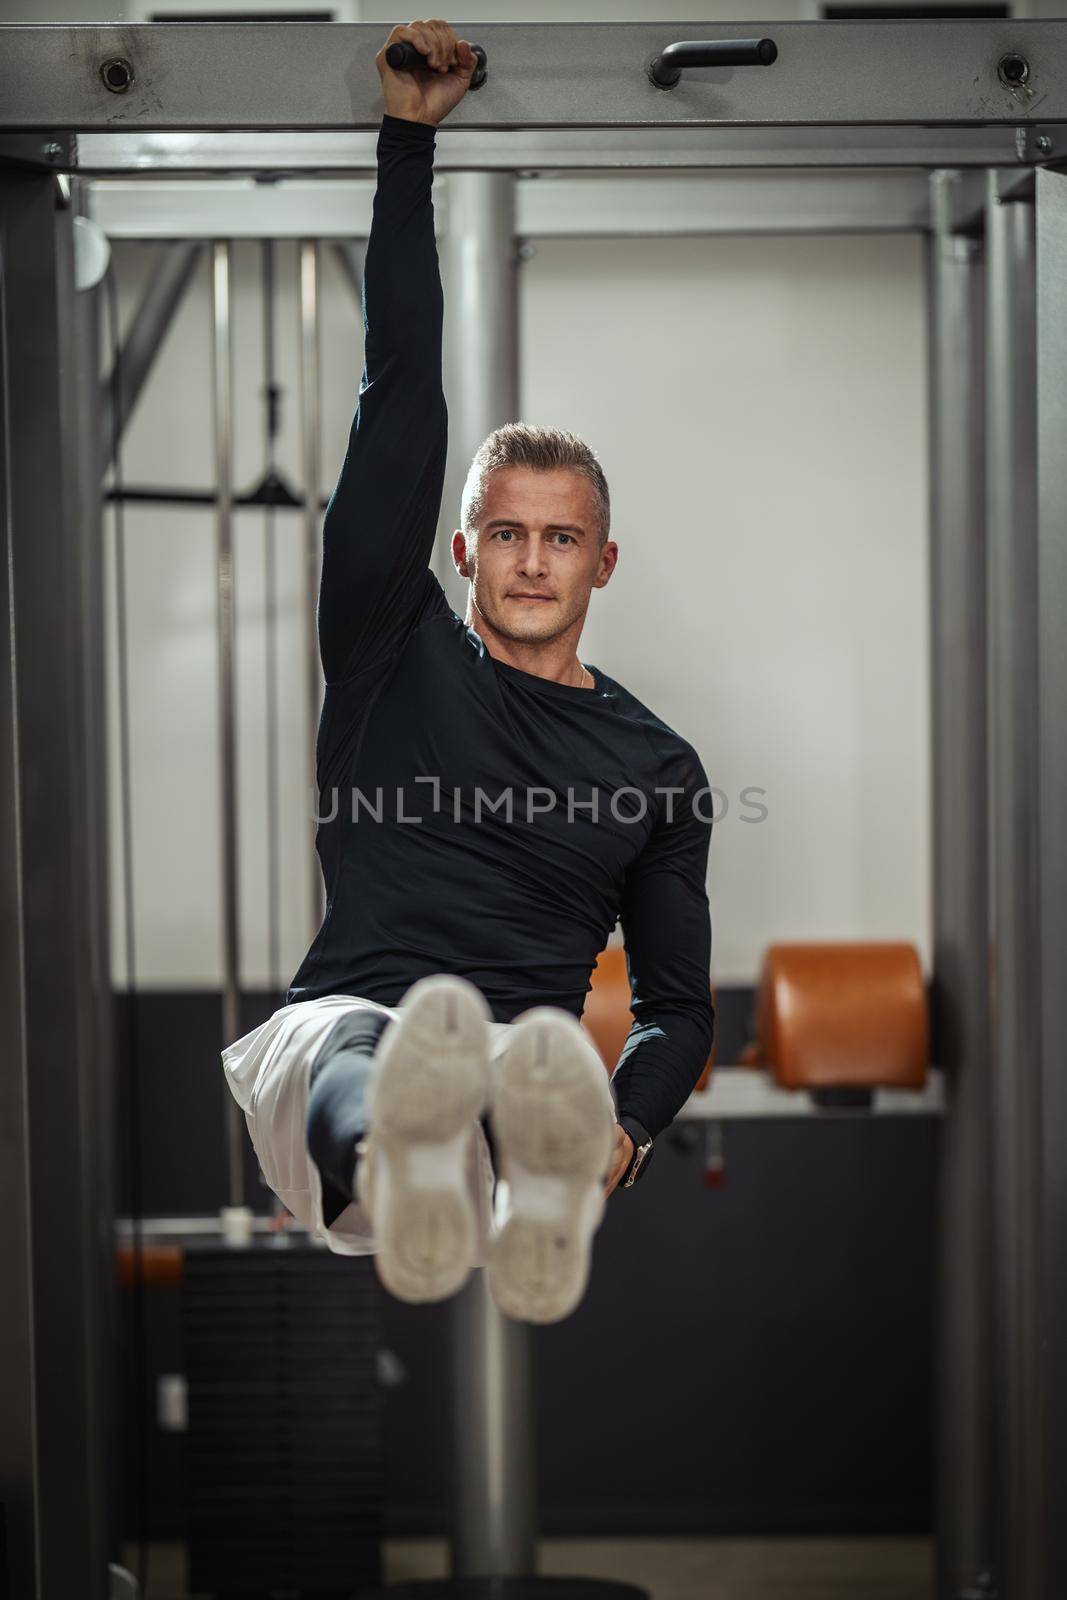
160 1265
842 1015
607 1012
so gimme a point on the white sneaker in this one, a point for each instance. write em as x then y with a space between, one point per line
553 1120
429 1089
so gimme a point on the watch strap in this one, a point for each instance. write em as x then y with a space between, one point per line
642 1152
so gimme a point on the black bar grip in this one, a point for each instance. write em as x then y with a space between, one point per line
665 70
403 57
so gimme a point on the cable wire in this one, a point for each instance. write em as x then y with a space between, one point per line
273 393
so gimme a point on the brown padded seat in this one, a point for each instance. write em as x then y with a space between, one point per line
607 1012
160 1265
841 1016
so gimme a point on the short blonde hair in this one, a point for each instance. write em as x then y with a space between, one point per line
521 444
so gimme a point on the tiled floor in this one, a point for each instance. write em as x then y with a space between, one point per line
676 1569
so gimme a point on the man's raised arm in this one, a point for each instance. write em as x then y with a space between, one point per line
379 528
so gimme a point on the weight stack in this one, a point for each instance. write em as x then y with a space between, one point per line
284 1457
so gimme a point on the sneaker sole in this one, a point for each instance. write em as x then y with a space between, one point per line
553 1120
430 1088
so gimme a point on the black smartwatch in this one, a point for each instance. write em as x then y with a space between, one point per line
642 1151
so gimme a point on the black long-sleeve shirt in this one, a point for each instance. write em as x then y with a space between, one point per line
428 865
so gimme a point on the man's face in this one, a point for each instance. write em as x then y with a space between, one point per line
537 555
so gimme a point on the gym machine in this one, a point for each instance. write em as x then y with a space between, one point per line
953 128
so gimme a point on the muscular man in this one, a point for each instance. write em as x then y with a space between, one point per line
490 807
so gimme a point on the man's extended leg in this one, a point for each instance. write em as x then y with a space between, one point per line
338 1093
407 1092
553 1116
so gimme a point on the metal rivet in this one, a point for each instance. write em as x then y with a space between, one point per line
117 75
1013 70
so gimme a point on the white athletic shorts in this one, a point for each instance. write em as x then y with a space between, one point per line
268 1072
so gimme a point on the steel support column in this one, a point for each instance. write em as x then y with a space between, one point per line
495 1523
85 426
52 1451
1015 868
494 1508
1051 200
222 415
481 345
310 342
959 828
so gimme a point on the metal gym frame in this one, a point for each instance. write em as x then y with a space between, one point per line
954 129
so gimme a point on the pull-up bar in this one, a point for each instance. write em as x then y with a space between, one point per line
961 73
666 70
403 57
663 70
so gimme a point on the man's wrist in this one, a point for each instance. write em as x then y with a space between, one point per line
409 122
642 1150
